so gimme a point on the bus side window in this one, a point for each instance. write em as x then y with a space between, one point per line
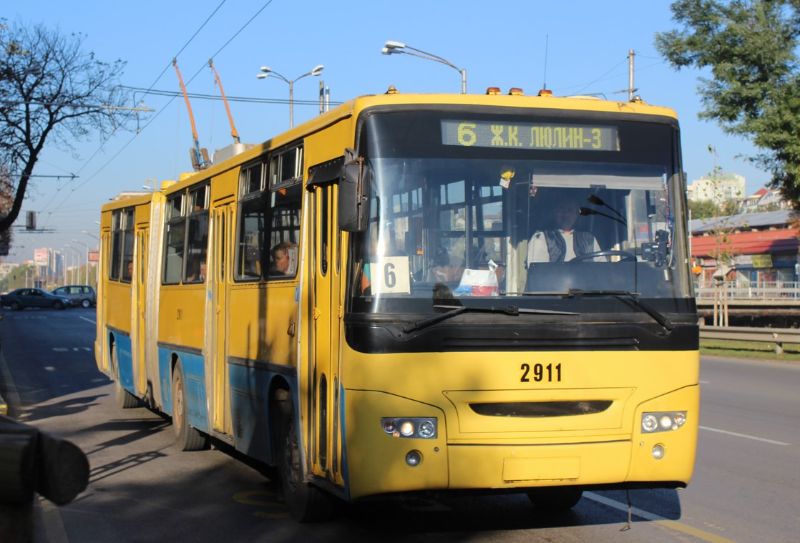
285 227
250 241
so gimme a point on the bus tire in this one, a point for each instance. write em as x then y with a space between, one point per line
186 437
555 499
306 502
123 398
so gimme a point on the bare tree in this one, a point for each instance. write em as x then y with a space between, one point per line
51 91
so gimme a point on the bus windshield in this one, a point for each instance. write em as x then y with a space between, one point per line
457 222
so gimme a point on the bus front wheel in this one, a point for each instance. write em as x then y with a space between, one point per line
555 499
306 502
186 437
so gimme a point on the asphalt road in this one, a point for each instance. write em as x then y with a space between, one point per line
142 489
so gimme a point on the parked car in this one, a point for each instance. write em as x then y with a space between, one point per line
82 295
33 297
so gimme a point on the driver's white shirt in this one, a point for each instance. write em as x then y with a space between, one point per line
537 248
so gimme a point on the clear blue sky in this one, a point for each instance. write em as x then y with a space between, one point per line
499 43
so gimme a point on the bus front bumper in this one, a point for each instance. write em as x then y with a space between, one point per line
379 462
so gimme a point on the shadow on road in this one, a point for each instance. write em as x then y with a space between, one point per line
139 429
70 406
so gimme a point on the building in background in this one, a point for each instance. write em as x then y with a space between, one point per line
718 189
752 249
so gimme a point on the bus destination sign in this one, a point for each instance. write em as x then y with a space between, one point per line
558 137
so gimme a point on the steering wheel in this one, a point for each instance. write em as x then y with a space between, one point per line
625 256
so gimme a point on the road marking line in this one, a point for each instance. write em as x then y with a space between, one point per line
670 524
61 349
736 434
87 320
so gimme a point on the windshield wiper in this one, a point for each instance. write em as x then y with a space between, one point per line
627 295
453 310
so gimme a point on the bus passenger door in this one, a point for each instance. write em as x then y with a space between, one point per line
139 283
326 315
217 282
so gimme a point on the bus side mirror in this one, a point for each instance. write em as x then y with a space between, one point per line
354 196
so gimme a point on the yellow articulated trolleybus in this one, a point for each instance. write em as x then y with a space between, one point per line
418 293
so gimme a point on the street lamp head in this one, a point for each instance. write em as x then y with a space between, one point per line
262 76
392 46
266 69
317 69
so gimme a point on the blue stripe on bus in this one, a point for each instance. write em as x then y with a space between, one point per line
343 426
165 379
194 382
122 344
249 386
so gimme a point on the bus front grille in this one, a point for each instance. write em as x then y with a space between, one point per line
540 409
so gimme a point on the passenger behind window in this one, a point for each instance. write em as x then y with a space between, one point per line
443 270
200 276
283 259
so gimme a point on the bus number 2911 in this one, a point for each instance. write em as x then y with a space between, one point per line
540 372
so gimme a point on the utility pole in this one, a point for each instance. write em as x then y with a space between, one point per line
631 55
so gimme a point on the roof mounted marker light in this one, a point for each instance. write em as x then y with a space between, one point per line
515 91
493 91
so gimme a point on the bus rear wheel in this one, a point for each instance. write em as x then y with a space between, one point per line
186 437
306 502
554 499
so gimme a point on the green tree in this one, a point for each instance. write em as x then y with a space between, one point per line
51 91
703 209
751 49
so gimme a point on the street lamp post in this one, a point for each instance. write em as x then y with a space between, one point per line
86 269
396 47
266 71
94 268
76 254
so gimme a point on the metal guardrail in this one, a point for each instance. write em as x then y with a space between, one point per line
775 290
778 336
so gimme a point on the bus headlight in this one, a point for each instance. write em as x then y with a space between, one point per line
662 421
410 427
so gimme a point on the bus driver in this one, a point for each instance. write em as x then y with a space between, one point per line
561 243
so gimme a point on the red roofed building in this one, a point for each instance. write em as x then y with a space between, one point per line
762 247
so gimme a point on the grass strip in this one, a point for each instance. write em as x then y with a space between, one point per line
749 349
